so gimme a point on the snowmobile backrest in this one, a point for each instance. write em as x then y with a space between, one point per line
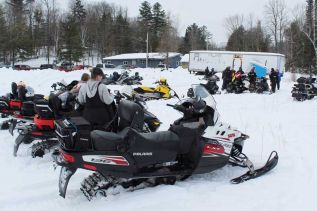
130 115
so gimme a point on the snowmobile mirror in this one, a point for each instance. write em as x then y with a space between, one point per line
190 93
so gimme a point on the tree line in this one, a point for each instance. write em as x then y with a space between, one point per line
31 29
89 29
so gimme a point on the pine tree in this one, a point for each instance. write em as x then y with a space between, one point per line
158 24
236 40
71 50
146 15
3 36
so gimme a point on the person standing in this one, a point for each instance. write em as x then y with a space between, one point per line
279 78
273 79
226 77
252 76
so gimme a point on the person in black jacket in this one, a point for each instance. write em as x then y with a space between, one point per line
252 76
273 79
227 78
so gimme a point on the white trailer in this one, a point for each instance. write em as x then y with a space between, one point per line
219 60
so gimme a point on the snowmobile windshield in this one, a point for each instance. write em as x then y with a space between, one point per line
201 93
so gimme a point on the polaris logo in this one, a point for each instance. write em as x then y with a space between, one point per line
142 153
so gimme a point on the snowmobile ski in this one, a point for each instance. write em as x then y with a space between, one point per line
252 174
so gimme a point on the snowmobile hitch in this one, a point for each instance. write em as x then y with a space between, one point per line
254 173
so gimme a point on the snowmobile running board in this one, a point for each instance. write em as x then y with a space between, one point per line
252 174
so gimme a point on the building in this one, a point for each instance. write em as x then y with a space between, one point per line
219 60
139 60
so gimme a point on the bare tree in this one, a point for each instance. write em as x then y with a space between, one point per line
276 15
232 23
169 40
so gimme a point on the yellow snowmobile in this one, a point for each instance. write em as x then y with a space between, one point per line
161 91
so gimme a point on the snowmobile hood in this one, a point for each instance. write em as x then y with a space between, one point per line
92 87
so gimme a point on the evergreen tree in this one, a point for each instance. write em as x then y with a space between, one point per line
158 24
3 36
71 50
122 34
146 15
195 39
236 40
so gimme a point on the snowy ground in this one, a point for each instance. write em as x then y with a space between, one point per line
274 122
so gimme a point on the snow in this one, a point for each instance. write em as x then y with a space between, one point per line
141 56
273 122
185 58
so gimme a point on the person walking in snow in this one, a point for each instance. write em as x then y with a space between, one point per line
273 79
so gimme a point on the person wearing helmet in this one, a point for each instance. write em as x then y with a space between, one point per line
163 81
99 107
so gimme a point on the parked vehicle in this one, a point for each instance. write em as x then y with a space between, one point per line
66 66
22 67
47 66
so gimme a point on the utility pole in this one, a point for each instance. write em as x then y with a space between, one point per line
147 50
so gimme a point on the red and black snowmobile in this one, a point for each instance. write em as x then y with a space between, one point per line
197 143
41 129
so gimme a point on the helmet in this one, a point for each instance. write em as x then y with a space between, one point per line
163 80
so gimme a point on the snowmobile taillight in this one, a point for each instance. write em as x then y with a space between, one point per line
37 133
210 149
67 157
90 167
15 104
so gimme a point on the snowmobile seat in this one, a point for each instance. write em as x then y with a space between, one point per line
130 115
107 141
164 140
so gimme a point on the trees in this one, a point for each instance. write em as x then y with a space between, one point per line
169 40
276 15
3 36
195 38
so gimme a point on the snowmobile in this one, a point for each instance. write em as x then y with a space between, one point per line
42 128
17 108
211 84
261 85
197 143
151 122
305 89
162 91
123 79
237 86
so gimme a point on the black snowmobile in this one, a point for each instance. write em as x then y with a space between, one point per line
211 84
197 143
123 79
304 89
237 86
261 85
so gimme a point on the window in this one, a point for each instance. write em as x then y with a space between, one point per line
142 61
125 62
177 63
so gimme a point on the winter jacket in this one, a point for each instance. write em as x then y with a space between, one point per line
252 77
273 77
90 88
